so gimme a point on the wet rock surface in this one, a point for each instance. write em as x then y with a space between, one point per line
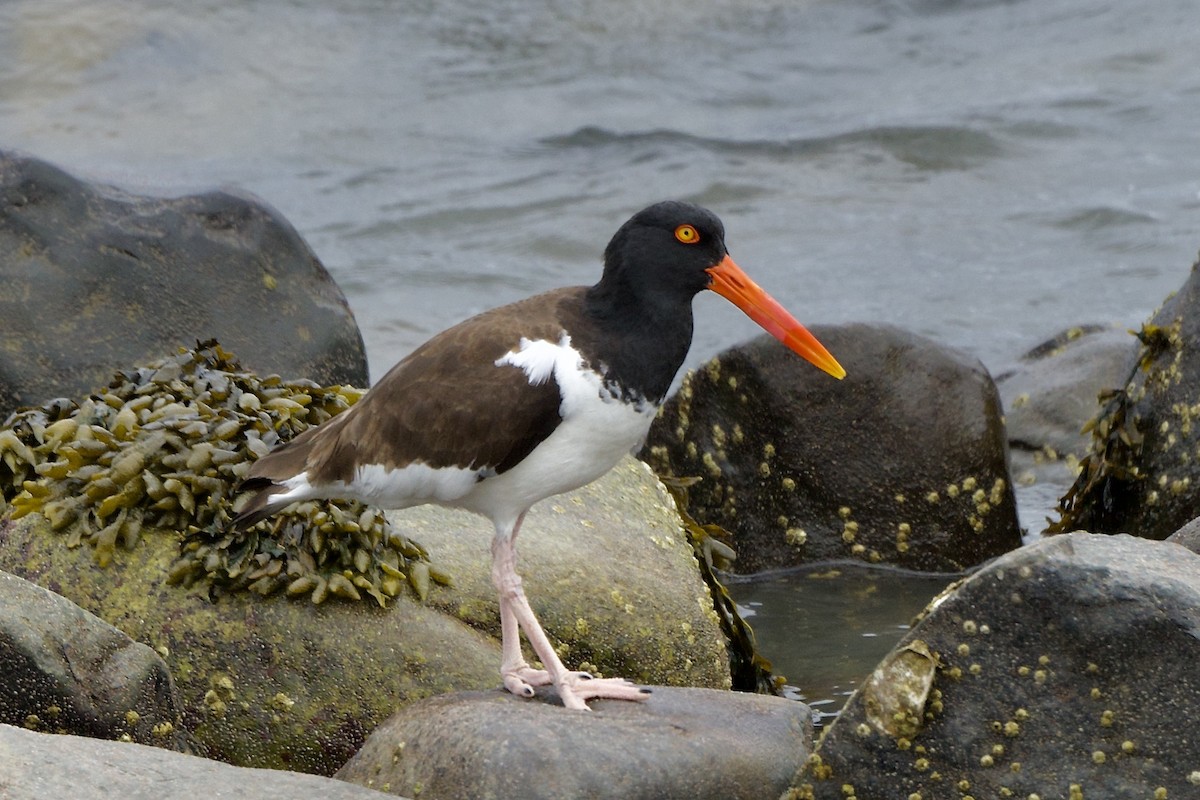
67 671
135 276
1188 536
1142 473
904 462
36 766
692 743
1060 670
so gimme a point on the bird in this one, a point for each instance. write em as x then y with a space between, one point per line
526 401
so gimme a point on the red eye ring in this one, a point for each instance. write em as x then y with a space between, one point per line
687 234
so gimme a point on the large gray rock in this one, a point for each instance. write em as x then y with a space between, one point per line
903 462
96 279
68 671
1068 663
39 766
686 743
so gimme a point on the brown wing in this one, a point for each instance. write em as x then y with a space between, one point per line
447 404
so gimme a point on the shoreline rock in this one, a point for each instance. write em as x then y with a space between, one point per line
38 766
694 743
279 682
68 671
1069 662
904 462
133 277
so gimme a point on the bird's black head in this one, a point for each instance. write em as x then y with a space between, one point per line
655 264
662 253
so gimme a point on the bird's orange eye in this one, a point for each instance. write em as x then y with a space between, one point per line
687 234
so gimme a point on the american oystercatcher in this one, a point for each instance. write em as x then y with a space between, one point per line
527 401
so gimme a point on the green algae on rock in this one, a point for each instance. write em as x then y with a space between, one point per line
263 681
165 446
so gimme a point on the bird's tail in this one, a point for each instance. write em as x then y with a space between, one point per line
260 506
270 476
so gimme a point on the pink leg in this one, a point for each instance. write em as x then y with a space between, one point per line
516 615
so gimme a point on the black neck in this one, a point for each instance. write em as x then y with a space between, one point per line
639 340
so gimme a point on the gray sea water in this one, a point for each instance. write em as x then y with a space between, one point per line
984 172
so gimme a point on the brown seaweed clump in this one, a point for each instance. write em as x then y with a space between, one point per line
750 671
1112 489
165 446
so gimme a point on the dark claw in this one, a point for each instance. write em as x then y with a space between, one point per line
644 690
528 691
585 676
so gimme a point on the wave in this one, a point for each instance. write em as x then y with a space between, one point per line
927 147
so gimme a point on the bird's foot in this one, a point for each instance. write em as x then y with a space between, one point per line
521 679
574 689
578 687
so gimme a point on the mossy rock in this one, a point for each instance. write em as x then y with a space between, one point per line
264 682
286 684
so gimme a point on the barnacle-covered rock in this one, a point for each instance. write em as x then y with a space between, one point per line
905 462
265 680
1143 472
165 446
1065 663
272 682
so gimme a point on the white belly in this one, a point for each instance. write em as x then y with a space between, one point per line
580 450
596 431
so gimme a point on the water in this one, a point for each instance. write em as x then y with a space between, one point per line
825 628
983 172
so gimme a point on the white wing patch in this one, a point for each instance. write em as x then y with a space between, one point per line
540 359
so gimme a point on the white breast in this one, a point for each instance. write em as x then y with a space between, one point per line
596 431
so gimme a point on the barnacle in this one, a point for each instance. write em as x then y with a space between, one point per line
165 445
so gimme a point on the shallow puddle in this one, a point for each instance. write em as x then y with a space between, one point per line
825 629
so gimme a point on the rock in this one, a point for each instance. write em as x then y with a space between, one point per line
36 766
1051 394
68 671
1142 473
904 462
636 606
1188 536
264 682
280 683
135 277
1068 663
693 743
1049 397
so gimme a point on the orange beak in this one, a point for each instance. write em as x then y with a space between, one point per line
730 282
